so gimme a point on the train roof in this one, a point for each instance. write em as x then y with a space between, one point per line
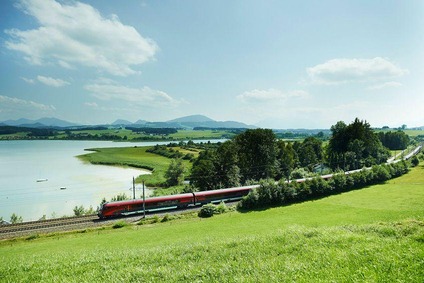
154 199
229 190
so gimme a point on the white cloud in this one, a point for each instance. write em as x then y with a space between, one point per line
30 81
338 71
51 81
269 95
6 100
12 107
74 33
91 104
385 85
140 96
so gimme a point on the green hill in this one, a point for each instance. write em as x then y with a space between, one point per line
371 235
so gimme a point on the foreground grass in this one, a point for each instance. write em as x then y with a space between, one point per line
371 235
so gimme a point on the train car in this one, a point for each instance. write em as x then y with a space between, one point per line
125 207
221 195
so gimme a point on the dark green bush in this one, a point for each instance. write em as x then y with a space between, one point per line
208 210
270 193
119 224
221 208
415 161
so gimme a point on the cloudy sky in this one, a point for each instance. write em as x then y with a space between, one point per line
278 64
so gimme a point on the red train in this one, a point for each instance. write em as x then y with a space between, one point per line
120 208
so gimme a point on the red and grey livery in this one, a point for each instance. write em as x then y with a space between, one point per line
120 208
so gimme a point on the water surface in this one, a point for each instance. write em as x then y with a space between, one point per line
45 178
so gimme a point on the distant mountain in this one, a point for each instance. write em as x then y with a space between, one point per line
18 122
121 122
187 122
43 122
192 119
140 122
196 121
53 122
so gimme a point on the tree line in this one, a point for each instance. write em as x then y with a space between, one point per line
271 193
257 154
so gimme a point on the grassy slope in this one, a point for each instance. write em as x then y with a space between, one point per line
132 156
374 234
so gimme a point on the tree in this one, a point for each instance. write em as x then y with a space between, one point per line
175 173
16 219
256 150
225 163
286 159
354 145
310 152
203 173
394 140
79 210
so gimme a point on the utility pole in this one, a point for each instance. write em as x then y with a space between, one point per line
144 202
133 188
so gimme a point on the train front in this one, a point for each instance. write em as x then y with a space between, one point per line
100 213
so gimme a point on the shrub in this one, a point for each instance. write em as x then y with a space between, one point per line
119 224
271 193
250 201
15 219
221 208
167 218
155 219
33 237
208 210
381 173
288 192
298 174
415 161
340 181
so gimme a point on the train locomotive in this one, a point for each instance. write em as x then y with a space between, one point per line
127 207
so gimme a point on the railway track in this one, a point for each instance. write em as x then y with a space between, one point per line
75 223
51 225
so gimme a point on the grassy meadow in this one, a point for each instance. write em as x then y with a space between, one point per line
375 234
135 157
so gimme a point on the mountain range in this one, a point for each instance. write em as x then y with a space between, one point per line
188 122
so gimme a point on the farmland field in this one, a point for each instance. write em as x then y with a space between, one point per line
373 234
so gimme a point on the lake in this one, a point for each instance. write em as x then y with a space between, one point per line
45 178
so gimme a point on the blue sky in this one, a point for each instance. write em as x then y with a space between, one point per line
277 64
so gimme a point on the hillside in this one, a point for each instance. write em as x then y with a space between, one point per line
369 235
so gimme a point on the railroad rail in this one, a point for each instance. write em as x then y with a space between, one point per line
25 229
18 229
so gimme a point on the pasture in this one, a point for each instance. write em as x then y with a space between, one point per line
373 234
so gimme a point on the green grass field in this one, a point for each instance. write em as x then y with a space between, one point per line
203 134
371 235
134 157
